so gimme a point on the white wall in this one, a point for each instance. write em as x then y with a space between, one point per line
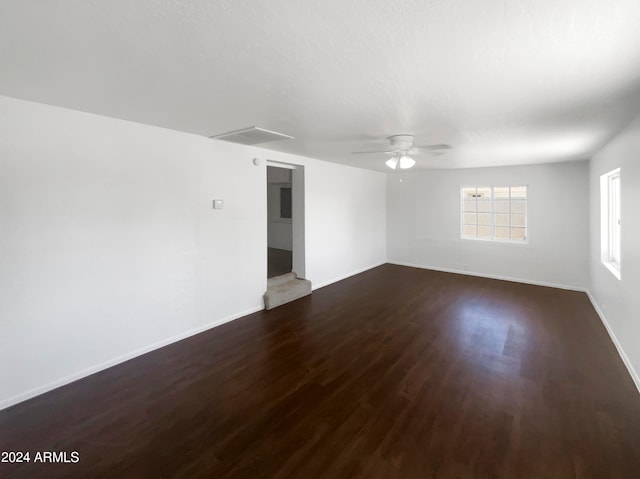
345 220
423 226
110 246
619 300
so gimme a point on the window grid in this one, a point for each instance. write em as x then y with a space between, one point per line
486 227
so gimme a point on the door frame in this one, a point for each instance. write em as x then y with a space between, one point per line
297 215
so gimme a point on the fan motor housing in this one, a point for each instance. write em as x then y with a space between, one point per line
401 142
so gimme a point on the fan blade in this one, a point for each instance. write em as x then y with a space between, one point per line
370 152
440 146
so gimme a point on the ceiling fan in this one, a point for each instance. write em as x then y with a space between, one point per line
401 148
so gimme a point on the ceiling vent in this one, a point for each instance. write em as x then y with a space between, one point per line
252 136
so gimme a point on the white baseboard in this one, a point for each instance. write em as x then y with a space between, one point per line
616 343
340 278
492 276
120 359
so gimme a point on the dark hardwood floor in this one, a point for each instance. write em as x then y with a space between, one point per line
394 373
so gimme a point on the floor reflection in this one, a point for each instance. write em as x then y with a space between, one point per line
492 338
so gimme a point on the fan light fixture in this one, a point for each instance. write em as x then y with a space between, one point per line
403 160
406 161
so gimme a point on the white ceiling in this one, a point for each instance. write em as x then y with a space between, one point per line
504 82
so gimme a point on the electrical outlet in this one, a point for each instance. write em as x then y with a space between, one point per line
218 204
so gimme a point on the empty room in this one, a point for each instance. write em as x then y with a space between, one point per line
339 239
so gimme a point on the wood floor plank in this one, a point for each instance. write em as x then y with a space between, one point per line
394 373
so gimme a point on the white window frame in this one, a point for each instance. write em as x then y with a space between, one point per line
493 238
611 222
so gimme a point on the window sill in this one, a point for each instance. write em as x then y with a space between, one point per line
494 241
614 269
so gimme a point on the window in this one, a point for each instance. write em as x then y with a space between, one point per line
285 203
495 213
610 225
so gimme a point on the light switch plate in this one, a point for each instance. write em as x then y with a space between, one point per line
218 204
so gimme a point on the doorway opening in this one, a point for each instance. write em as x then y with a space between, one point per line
285 219
280 221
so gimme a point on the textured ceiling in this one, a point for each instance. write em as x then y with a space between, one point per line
503 82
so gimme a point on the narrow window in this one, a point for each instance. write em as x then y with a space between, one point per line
494 213
610 226
285 203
